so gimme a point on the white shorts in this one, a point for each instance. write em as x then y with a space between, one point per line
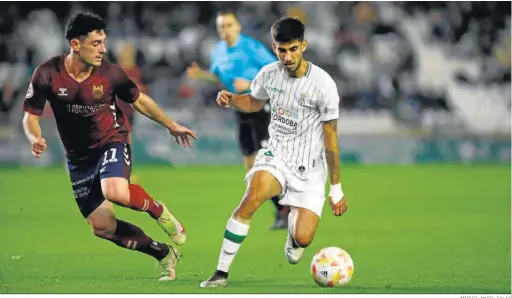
309 194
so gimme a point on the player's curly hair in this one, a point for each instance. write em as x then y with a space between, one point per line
81 23
287 29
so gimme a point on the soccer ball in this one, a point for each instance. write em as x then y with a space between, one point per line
332 267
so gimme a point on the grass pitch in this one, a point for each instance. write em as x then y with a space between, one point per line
409 229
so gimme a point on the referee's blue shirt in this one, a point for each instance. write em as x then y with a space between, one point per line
242 60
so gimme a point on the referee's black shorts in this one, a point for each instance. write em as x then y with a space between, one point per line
253 130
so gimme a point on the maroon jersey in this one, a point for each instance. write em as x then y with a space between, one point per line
86 113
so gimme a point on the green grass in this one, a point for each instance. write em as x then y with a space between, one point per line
409 229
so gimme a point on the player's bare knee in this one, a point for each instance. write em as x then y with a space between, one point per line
303 239
116 193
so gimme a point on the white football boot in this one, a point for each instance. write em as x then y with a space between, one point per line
293 255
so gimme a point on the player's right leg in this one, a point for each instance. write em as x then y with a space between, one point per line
115 174
253 136
126 235
261 187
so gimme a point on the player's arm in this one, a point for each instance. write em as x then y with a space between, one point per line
34 134
33 106
332 152
31 127
246 103
149 108
329 113
127 91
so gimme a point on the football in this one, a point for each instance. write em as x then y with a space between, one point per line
332 267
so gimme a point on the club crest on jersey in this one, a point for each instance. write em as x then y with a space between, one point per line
302 98
97 91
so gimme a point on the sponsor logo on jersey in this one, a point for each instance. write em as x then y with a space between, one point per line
329 111
63 92
284 121
274 89
280 111
268 156
30 91
85 110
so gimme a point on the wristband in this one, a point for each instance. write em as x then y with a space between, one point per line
336 193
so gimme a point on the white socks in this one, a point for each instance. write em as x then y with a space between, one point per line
234 235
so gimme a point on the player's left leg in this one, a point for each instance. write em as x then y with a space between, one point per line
306 210
126 235
253 136
115 172
301 231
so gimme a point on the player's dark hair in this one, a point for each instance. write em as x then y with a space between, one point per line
81 23
287 29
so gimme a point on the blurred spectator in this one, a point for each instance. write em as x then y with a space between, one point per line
367 47
126 59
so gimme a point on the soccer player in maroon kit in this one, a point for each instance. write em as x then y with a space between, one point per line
82 91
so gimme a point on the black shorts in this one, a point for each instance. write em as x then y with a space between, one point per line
253 131
112 161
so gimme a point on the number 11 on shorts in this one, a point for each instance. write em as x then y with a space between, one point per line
112 158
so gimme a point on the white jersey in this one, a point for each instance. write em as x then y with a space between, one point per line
299 106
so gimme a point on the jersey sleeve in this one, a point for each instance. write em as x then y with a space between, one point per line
257 87
330 104
124 87
35 99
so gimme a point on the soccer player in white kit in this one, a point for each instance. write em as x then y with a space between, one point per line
302 149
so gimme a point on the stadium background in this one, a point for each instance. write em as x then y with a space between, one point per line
424 134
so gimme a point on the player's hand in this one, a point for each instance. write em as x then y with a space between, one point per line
223 98
38 146
241 85
182 135
339 208
194 71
